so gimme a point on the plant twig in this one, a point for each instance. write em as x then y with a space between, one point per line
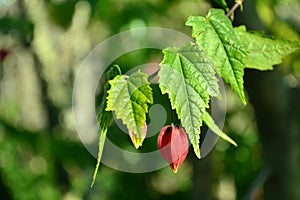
153 75
237 4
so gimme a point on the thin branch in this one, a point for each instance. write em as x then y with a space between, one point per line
237 4
153 75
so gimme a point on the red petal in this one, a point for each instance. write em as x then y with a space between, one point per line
173 145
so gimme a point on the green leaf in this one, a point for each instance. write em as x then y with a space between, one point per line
128 98
209 121
102 138
217 36
187 76
264 51
104 117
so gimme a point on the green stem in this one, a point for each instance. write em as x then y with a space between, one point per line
153 75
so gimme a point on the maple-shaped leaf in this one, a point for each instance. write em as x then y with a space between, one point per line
129 97
264 51
217 36
188 77
104 117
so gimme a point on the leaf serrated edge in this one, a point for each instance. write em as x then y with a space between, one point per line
238 87
143 86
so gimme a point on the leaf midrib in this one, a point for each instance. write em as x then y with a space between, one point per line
203 77
186 93
131 106
226 52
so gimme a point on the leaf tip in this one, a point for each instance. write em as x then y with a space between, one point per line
95 173
92 184
137 143
197 152
244 101
228 139
241 94
137 140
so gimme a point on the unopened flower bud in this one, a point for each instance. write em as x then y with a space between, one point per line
173 145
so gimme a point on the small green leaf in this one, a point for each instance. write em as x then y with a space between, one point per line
209 121
128 98
104 117
217 36
187 76
264 51
102 138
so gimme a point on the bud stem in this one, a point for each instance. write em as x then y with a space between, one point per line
237 4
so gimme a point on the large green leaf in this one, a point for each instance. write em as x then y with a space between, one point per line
187 76
104 117
264 51
128 98
217 36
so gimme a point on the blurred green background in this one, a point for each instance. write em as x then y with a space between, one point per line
43 42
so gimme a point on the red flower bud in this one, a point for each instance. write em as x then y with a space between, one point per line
173 145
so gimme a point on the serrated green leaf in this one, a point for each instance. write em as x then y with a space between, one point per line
187 76
128 98
217 36
264 51
104 117
209 121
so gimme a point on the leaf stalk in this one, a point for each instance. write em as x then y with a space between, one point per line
237 4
